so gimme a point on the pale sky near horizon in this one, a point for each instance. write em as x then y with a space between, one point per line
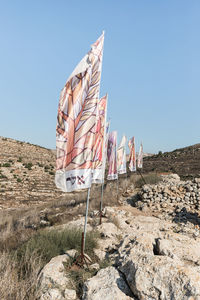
151 67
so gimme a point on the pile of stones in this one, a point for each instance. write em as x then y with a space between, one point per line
171 196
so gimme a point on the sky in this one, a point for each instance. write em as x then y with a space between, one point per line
151 67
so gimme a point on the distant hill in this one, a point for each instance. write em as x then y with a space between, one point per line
183 161
26 174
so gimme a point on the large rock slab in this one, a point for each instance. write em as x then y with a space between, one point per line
160 278
53 282
108 284
158 263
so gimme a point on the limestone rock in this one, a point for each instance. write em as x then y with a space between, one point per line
108 284
53 282
160 277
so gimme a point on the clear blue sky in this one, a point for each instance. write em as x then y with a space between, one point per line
151 66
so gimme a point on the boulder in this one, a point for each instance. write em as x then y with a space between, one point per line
53 282
108 284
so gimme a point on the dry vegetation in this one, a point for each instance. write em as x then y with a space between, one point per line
25 244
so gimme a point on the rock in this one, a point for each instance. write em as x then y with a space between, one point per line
160 277
108 284
53 282
94 267
52 294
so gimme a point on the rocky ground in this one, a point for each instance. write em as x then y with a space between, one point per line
149 235
152 255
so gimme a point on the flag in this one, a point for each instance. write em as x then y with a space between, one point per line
121 156
112 156
132 157
140 157
76 122
99 145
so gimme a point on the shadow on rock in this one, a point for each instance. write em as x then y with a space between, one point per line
184 216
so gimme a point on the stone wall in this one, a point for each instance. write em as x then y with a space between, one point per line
171 196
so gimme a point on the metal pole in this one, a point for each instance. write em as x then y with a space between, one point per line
126 181
141 176
86 215
101 203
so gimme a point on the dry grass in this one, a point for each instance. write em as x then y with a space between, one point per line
17 283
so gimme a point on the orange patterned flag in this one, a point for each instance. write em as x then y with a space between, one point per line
76 122
132 157
99 146
112 156
121 156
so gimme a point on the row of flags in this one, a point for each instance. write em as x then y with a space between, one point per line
117 156
83 141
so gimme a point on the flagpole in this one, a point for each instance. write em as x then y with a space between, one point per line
126 182
85 225
101 204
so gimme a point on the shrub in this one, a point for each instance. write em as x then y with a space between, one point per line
28 165
19 159
19 180
79 276
52 173
7 165
50 243
2 176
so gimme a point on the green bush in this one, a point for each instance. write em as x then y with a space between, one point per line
19 180
3 176
28 165
52 173
50 243
7 165
19 159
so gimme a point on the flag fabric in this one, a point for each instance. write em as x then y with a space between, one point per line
99 145
112 156
76 122
140 157
121 156
132 157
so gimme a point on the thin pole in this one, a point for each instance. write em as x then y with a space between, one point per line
101 203
141 176
126 181
117 188
86 215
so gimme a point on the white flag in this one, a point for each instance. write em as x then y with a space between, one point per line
76 122
121 156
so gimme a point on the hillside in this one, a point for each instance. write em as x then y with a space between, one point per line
183 161
26 174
